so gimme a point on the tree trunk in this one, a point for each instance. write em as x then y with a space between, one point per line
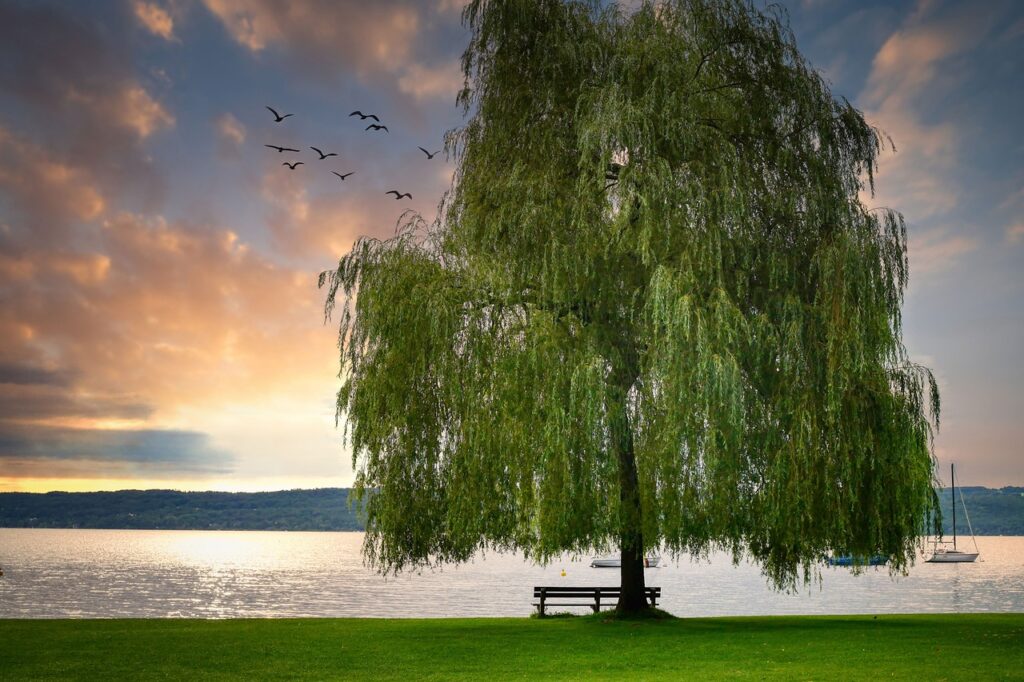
632 598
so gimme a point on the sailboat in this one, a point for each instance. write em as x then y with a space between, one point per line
942 551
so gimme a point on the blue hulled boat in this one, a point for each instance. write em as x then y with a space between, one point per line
848 560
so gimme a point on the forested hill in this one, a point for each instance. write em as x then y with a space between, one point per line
321 509
992 512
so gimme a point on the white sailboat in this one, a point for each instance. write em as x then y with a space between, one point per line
613 561
945 552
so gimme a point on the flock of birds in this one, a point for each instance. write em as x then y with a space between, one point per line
375 126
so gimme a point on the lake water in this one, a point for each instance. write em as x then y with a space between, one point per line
223 574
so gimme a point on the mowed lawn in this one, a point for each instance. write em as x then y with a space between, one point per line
917 647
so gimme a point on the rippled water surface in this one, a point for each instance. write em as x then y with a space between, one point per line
214 574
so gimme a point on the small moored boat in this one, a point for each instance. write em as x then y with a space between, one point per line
849 560
610 561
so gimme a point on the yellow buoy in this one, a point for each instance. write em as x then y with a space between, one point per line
563 572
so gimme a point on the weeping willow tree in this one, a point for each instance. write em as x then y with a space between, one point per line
653 311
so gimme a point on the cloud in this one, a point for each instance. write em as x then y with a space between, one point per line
324 225
62 403
151 318
27 375
1013 200
232 131
1014 31
830 42
937 250
910 72
129 107
384 42
182 314
452 6
310 219
910 58
422 82
45 188
1013 207
46 50
367 37
116 322
251 24
65 70
83 269
184 451
65 81
155 18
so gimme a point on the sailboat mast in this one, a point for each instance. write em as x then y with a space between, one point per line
952 498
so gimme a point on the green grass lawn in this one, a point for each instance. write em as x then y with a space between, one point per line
918 647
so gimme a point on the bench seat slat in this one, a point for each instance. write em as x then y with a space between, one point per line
587 593
579 588
587 590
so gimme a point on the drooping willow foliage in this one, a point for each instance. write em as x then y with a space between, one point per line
653 256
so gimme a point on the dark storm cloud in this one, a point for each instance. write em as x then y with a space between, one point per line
185 451
36 402
26 374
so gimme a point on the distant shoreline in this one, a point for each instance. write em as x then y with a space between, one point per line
995 512
258 530
322 509
221 530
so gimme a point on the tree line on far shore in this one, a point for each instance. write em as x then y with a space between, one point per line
320 509
992 511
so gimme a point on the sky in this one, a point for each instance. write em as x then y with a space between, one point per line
160 324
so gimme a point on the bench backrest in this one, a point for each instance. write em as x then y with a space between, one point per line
562 592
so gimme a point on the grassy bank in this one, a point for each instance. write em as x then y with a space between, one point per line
933 647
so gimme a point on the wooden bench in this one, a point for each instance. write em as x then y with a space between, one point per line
590 594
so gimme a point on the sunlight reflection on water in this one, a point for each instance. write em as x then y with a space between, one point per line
222 574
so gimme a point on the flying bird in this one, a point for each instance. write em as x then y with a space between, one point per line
342 176
429 155
278 117
374 126
397 194
292 166
280 149
363 117
322 155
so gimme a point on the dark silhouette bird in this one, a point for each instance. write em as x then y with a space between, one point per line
280 149
342 176
429 155
397 194
363 117
278 117
374 126
292 166
322 155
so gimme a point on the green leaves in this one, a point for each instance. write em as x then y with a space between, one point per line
654 212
